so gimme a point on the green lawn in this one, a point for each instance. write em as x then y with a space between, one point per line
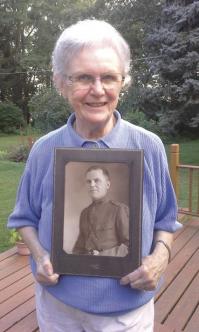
189 155
189 152
10 173
8 142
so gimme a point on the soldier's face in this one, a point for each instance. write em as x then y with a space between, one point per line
97 183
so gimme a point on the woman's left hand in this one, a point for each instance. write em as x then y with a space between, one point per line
146 277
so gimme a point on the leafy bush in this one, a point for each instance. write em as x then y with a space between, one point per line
19 153
14 236
139 118
48 110
3 154
11 117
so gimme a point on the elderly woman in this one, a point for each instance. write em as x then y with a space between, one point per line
91 63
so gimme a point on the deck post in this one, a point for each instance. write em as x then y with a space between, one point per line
174 170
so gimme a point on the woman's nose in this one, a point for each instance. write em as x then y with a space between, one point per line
97 87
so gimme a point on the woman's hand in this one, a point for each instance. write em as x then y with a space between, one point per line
146 277
44 272
44 269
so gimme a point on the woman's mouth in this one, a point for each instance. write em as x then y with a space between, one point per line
96 104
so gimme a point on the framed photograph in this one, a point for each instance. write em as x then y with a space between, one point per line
97 212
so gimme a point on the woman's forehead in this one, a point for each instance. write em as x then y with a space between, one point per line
96 59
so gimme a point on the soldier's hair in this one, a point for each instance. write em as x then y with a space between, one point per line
99 167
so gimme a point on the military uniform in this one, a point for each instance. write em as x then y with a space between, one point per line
104 229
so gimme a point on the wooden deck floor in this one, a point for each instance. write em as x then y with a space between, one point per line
176 304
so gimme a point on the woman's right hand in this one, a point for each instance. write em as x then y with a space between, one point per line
44 271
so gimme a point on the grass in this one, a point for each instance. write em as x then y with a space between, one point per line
183 197
10 141
189 151
189 155
10 174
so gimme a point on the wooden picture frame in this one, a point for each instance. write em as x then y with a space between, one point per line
71 203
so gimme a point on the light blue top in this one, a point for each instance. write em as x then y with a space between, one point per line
35 201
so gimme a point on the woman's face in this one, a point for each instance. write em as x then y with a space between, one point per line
93 105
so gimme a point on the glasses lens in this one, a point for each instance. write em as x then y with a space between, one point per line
84 81
111 80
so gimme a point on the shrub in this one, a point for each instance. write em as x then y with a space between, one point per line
48 110
11 117
19 153
14 236
139 118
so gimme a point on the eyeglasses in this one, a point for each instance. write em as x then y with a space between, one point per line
85 81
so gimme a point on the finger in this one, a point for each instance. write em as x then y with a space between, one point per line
131 277
48 269
47 280
144 285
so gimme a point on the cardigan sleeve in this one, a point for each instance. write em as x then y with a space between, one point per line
166 214
27 209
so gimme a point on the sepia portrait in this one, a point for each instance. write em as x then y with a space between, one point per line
97 211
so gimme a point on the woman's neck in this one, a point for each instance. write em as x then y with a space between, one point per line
94 131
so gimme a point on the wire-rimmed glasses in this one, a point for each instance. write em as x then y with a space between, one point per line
83 81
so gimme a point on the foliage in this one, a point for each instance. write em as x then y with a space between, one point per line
19 153
164 70
139 118
11 117
10 173
129 107
134 20
174 95
48 110
14 236
28 32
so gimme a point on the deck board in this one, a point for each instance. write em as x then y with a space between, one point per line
193 323
175 290
15 288
28 323
186 306
15 316
176 304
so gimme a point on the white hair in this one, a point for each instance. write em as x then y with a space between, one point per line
85 34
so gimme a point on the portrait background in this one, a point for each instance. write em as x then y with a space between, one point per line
76 197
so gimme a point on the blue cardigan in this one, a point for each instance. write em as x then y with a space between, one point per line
35 200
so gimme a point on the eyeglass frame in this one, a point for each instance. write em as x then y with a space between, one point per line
93 78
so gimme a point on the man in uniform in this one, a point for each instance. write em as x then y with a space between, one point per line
104 224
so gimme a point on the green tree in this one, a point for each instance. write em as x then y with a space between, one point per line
28 30
134 19
173 97
11 118
48 110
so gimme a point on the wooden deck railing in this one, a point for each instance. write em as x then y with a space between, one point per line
191 174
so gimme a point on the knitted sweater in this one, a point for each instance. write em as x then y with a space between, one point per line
35 202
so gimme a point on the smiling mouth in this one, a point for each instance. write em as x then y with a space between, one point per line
96 104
